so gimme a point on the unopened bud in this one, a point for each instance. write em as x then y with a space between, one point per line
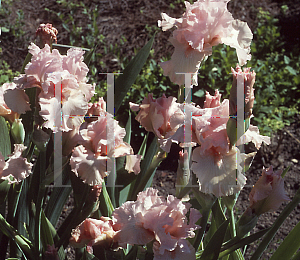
183 172
47 34
18 131
248 90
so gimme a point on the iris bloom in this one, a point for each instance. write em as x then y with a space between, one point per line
92 232
217 166
91 160
49 70
205 24
162 116
151 217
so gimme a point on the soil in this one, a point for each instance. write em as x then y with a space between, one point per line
129 18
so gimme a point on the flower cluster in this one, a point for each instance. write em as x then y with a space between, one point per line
217 166
62 85
149 218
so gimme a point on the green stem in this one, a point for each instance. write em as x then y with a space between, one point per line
39 202
276 225
232 223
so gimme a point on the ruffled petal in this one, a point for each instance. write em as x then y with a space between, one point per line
252 135
183 60
16 167
221 177
90 168
133 163
16 99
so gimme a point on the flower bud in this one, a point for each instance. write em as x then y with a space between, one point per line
268 192
47 34
18 131
249 79
183 172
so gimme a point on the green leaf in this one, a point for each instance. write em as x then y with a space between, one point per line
4 188
237 243
88 256
291 70
289 246
49 235
56 203
130 73
26 61
212 250
46 235
4 29
89 55
286 59
199 93
132 253
120 161
106 207
23 244
143 147
4 139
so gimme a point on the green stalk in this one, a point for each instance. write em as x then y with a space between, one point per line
232 223
40 199
276 225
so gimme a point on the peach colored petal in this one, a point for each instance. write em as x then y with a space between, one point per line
252 135
184 60
73 62
133 163
219 174
70 115
43 62
16 99
152 217
4 110
162 116
128 221
92 232
89 167
212 101
16 167
203 25
183 251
